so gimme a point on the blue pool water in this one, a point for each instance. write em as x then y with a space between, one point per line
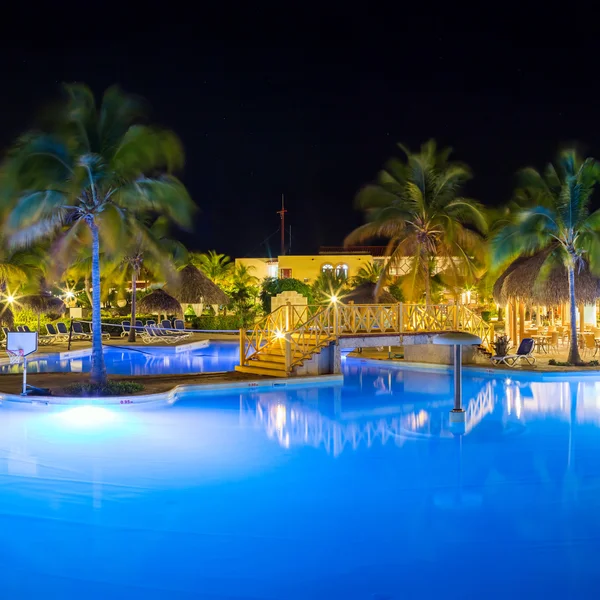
217 356
355 492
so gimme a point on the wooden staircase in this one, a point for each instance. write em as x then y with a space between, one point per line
271 360
283 340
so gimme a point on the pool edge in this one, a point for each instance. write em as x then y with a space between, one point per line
174 394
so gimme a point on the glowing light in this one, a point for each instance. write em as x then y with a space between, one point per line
10 299
69 295
508 381
279 334
87 416
333 299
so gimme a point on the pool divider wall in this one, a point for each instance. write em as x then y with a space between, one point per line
179 391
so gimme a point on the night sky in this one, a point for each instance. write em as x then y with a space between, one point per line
312 105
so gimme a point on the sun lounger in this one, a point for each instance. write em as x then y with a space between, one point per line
81 334
148 336
54 335
126 325
524 352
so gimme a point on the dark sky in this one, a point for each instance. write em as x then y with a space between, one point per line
311 105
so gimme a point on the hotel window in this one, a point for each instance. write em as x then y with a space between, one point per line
286 273
327 268
341 270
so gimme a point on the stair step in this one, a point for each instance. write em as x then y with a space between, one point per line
257 370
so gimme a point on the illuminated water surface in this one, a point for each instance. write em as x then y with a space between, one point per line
141 360
361 491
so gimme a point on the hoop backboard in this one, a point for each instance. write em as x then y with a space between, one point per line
28 342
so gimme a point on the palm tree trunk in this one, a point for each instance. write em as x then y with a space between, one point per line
427 284
134 277
574 357
98 371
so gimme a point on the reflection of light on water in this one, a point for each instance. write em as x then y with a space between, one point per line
280 416
87 416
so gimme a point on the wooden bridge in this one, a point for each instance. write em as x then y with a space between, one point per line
280 343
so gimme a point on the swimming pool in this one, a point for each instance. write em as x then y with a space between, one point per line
360 491
152 360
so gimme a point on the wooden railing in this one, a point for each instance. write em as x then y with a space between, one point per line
302 330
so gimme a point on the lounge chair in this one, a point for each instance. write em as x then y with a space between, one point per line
150 323
81 334
54 335
148 336
179 324
524 352
105 336
64 330
166 336
166 324
126 325
20 329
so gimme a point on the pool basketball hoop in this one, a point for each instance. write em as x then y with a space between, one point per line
15 356
19 345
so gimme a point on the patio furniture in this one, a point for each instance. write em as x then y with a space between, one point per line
179 324
105 336
169 338
542 343
148 336
524 352
54 335
150 322
126 326
78 330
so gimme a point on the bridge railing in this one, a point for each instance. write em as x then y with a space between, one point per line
302 329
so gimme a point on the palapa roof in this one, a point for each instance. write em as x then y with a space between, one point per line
194 287
365 294
159 302
43 302
521 280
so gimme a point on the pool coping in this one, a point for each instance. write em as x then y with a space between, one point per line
175 393
564 374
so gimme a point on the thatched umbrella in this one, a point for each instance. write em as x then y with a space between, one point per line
521 281
195 288
43 303
365 294
160 303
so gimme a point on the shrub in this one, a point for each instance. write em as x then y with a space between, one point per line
272 286
111 388
214 322
485 315
558 363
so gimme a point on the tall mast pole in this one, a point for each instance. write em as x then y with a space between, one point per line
281 213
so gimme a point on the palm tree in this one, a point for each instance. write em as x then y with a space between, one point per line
329 286
89 179
151 247
217 267
369 273
556 218
242 277
417 206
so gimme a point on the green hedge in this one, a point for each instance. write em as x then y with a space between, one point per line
213 322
